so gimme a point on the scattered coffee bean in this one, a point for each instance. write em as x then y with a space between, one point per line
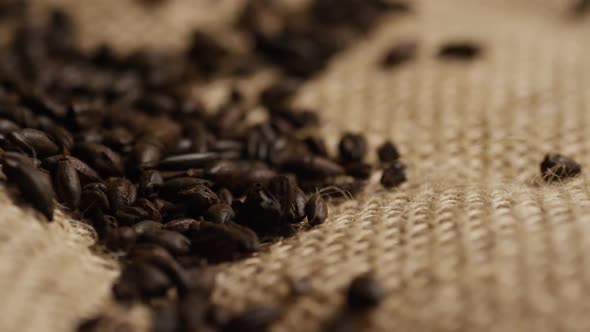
399 54
364 292
352 147
459 51
387 152
316 210
556 167
393 175
67 184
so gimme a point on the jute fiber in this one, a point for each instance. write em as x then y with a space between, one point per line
473 242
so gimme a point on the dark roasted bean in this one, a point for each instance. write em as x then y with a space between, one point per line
180 225
225 196
316 210
191 160
580 7
85 172
149 181
556 167
7 126
146 226
314 167
121 238
152 212
171 188
61 136
101 158
118 138
387 152
220 213
121 192
400 53
290 197
394 175
222 242
42 145
146 154
359 170
199 196
352 147
33 184
261 211
174 242
459 51
67 184
317 146
90 198
364 292
257 318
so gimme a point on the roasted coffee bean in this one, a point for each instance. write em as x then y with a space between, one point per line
180 225
238 175
121 238
199 196
62 137
67 184
220 213
352 147
171 188
174 242
290 197
459 51
41 144
121 192
149 181
317 146
359 170
225 196
191 160
279 95
152 212
146 154
118 138
94 198
387 152
400 53
7 126
44 104
364 292
222 242
33 184
261 211
257 318
146 226
101 158
556 167
316 210
394 175
130 215
85 172
314 167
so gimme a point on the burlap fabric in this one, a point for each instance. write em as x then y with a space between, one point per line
472 243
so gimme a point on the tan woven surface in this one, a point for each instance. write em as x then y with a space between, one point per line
471 243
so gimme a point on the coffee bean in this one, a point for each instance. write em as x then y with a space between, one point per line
400 53
387 152
580 7
225 196
146 226
121 192
364 292
359 170
220 213
62 137
67 184
556 167
199 196
290 197
174 242
254 319
146 154
222 242
121 238
36 140
314 167
101 158
459 51
317 146
149 181
180 225
352 147
33 184
7 126
394 175
191 160
316 210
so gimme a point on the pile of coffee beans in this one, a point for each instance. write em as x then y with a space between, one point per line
121 142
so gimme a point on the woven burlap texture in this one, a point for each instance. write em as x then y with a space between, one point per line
472 242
